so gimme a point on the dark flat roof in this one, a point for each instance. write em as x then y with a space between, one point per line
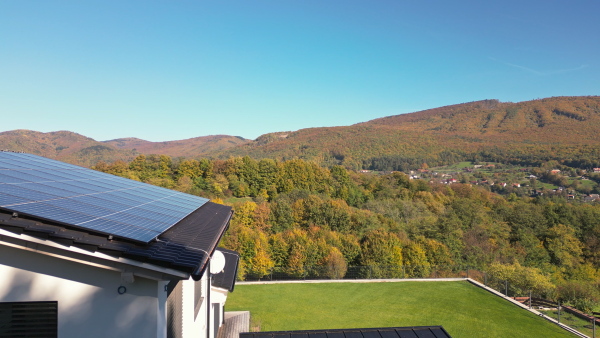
385 332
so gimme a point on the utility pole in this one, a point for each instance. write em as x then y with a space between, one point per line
559 311
530 299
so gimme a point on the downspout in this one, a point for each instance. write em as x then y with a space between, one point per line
208 305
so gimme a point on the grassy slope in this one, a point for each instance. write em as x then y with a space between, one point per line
464 310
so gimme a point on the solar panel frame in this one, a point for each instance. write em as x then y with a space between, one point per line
88 199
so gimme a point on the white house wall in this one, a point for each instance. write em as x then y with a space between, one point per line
194 326
218 295
88 302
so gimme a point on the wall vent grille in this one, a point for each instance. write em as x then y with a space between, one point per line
29 319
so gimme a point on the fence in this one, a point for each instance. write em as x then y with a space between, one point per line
366 272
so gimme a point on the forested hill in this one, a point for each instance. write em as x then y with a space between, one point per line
560 128
192 147
62 145
81 150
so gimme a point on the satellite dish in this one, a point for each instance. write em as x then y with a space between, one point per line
217 262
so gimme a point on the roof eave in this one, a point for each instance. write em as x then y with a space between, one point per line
97 259
199 271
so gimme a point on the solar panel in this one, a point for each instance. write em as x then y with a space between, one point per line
88 199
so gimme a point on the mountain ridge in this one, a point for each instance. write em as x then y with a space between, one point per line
78 149
462 130
190 147
564 128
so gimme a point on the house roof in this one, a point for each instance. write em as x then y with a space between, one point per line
185 246
386 332
226 278
89 199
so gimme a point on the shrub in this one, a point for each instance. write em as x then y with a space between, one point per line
582 295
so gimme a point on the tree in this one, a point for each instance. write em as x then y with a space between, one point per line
436 252
218 185
253 246
530 249
336 265
564 248
281 215
190 168
350 247
138 164
382 254
521 279
261 263
184 184
299 245
583 295
278 249
336 215
244 214
415 260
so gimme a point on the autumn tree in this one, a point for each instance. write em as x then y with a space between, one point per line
415 260
335 263
564 247
382 254
521 279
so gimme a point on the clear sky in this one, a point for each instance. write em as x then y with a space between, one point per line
170 70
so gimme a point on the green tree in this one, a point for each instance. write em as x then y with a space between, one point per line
584 296
382 254
281 215
521 279
415 260
564 247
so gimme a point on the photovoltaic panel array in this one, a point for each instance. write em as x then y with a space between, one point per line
72 195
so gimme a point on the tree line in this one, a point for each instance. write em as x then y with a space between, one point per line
296 215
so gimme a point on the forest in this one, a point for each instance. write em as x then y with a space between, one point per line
297 216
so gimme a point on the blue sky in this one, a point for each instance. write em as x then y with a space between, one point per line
170 70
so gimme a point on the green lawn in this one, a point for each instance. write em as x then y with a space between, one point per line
233 200
461 165
544 185
584 183
462 309
452 167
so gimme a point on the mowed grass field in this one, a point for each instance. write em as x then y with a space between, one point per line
462 309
